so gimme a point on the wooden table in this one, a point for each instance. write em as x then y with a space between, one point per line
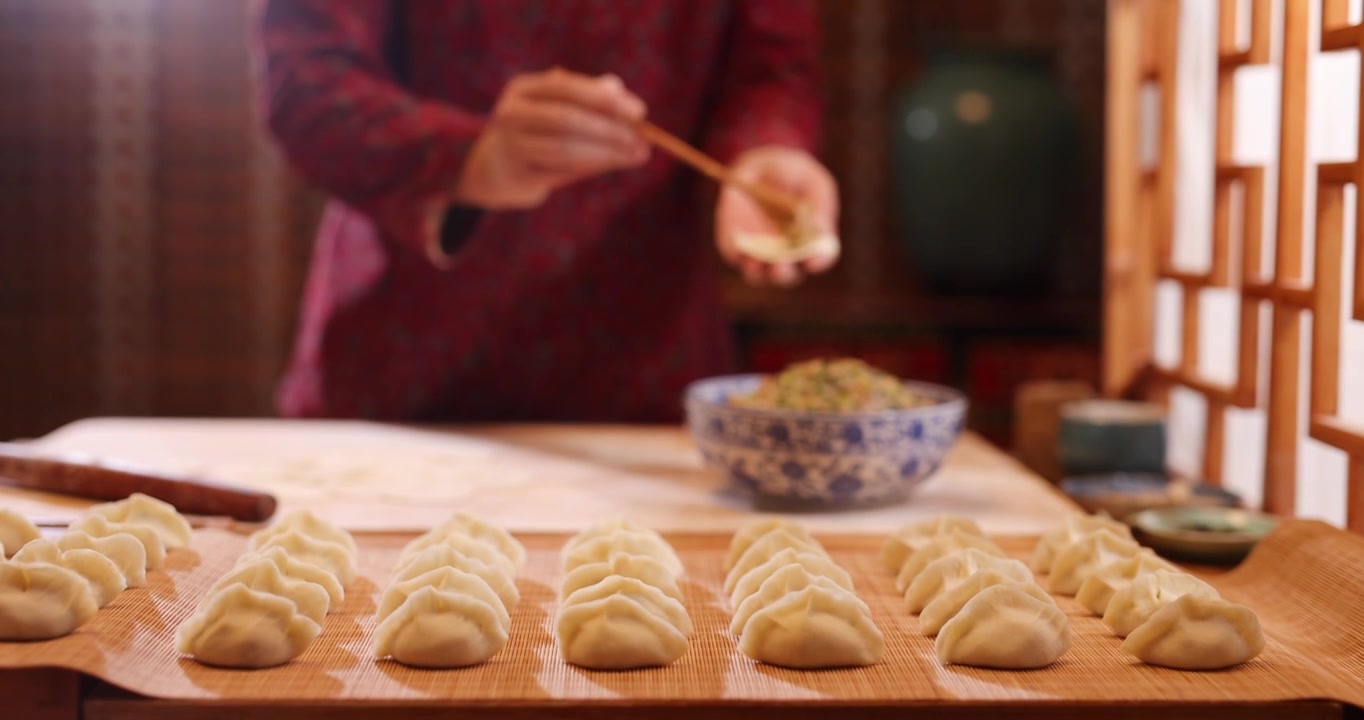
651 475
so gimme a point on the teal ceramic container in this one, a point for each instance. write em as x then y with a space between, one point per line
986 146
1101 437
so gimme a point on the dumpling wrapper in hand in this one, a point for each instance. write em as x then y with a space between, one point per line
914 536
105 579
616 633
940 546
1077 561
646 569
947 605
445 579
100 526
765 547
125 551
16 531
161 516
951 569
754 531
815 627
263 575
1098 589
1062 536
1005 627
788 579
1197 632
436 628
41 601
241 628
815 563
776 248
1136 603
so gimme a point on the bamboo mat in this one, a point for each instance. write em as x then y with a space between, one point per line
1304 581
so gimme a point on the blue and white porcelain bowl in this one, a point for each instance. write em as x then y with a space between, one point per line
822 458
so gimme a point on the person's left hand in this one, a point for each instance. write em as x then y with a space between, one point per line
794 172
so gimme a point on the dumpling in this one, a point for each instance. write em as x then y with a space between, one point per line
435 628
41 601
609 527
148 511
947 605
1075 527
905 540
1197 632
1136 603
753 531
938 547
298 570
789 578
127 553
305 522
263 575
16 531
106 582
1098 588
100 526
441 556
473 527
1006 627
641 567
653 599
445 579
815 563
951 569
814 627
601 547
616 633
467 546
238 627
330 556
767 546
1077 561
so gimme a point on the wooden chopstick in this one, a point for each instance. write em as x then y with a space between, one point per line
717 171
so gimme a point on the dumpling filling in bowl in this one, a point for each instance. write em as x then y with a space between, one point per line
840 385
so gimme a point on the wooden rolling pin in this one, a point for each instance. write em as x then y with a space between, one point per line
107 480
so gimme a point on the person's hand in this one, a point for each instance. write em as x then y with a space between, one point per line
548 130
794 172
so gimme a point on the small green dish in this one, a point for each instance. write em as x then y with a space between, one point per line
1215 535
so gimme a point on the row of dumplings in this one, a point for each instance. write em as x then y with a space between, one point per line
985 609
449 599
620 605
270 606
1167 616
793 606
49 588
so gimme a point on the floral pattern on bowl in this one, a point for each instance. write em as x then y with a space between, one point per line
822 457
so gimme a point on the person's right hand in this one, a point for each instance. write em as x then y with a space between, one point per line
547 130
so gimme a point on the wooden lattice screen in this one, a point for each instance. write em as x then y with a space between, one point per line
1143 48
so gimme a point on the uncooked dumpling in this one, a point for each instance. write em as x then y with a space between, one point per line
440 556
263 575
788 579
472 527
767 546
641 567
238 627
446 579
330 556
940 546
617 633
436 628
1098 588
815 563
466 545
1197 632
299 570
653 599
815 627
1062 536
753 531
100 526
947 605
1136 603
148 511
15 532
127 553
1077 561
41 601
602 547
1007 627
908 538
106 582
779 248
304 521
951 569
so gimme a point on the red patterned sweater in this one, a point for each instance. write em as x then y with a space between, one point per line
601 304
